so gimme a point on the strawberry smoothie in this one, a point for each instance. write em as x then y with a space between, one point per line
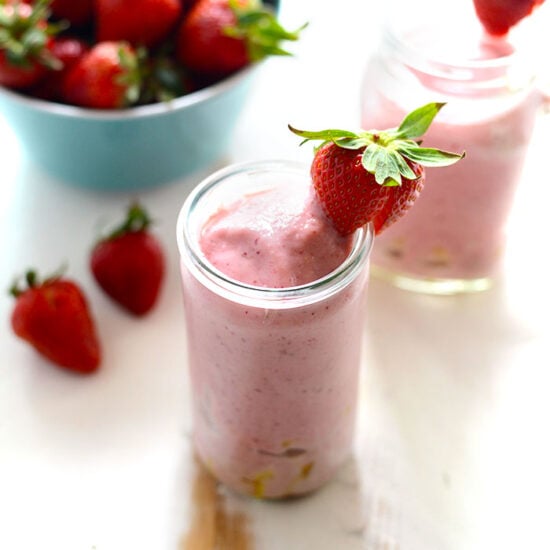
454 238
274 303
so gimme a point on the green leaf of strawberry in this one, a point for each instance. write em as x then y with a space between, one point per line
259 27
25 43
381 162
428 156
416 123
373 176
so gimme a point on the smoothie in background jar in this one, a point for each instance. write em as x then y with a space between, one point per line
274 304
454 238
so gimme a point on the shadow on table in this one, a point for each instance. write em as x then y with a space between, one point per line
328 519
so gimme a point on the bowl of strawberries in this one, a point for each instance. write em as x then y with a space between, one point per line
124 94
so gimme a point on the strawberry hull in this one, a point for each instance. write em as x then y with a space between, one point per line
274 370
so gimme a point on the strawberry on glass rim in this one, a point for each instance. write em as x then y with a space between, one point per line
373 176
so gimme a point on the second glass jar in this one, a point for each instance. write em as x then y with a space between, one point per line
454 237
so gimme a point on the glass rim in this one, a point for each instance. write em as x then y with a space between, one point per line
258 296
397 40
503 75
405 48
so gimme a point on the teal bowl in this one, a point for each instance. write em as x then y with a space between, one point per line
130 148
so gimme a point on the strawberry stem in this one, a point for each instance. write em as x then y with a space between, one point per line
258 27
23 38
133 63
136 220
32 280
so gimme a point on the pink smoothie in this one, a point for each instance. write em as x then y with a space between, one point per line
274 388
457 227
278 239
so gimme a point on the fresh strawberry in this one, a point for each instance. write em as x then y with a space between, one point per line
140 22
373 176
105 77
68 50
218 37
77 12
53 316
25 44
499 16
129 263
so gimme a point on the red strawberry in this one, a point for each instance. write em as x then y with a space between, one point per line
77 12
129 263
105 77
140 22
25 45
68 50
53 316
499 16
373 176
218 37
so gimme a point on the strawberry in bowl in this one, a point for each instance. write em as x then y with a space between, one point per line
25 50
108 101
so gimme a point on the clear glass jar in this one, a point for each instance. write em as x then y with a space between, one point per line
454 237
273 371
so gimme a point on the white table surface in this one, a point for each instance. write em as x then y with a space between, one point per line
452 449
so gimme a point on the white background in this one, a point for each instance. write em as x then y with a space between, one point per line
452 450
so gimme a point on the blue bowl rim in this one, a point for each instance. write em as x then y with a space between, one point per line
154 109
